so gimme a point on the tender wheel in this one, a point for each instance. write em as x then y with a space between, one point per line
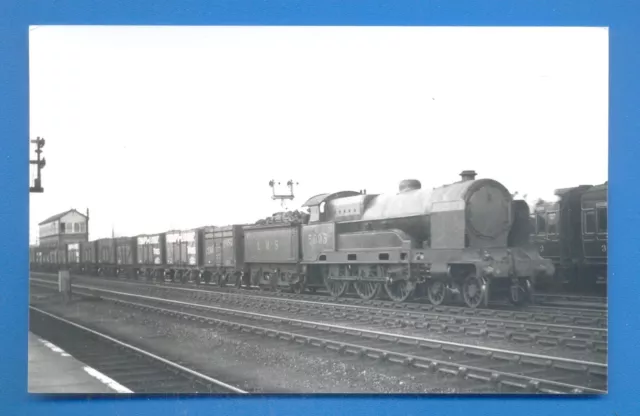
299 286
437 292
337 288
367 290
474 290
400 290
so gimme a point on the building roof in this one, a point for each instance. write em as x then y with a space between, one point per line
58 216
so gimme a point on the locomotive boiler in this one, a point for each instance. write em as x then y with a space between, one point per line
453 239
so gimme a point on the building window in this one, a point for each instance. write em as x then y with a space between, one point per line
62 228
76 227
82 229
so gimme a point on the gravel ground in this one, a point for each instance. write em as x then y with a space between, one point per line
224 301
253 363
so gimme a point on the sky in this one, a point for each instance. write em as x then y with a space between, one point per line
159 128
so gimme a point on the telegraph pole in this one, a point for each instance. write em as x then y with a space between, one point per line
282 197
40 163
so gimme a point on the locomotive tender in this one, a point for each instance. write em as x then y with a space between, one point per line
469 237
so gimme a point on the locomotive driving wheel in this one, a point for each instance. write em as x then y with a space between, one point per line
521 293
367 290
437 292
399 290
474 289
337 288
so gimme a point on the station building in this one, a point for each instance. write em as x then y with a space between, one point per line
67 227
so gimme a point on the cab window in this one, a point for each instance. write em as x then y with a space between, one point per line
552 222
315 214
589 222
602 220
541 223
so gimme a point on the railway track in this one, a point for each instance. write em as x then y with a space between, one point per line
556 315
555 302
562 339
505 370
138 370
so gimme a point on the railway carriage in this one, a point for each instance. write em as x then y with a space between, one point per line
595 233
572 233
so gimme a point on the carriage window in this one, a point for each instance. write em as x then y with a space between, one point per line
602 220
541 226
552 222
322 208
589 222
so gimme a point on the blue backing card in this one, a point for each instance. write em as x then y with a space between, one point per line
624 152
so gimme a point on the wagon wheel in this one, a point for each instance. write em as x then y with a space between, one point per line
437 292
297 287
473 291
367 290
337 288
274 279
400 290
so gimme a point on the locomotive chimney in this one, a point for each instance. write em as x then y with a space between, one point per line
468 175
410 185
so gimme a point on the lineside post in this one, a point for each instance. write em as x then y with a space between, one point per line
64 285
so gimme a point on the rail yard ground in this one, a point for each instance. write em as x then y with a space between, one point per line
264 342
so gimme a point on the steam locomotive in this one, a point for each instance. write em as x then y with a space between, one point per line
469 239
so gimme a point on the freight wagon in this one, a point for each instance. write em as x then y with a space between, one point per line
223 254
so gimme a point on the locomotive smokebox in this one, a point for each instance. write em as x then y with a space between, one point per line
409 185
468 175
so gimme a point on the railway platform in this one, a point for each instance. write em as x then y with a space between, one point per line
53 371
